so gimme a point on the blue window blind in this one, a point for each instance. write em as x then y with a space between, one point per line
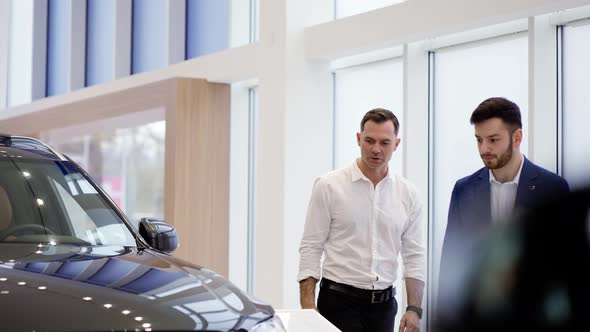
99 41
207 27
149 35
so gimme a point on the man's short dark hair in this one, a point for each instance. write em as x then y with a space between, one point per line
498 107
380 115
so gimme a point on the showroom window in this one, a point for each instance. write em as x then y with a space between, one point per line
26 52
99 41
149 41
207 27
345 8
462 76
242 184
576 77
358 89
58 47
66 23
120 159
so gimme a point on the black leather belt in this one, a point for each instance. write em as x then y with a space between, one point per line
371 296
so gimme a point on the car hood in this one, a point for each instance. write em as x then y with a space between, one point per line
72 288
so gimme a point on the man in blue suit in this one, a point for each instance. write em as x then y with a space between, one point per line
507 185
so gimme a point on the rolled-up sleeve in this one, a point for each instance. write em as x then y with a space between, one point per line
413 249
315 233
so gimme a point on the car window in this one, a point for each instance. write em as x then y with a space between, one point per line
83 225
51 201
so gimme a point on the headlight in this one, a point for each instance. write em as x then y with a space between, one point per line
270 325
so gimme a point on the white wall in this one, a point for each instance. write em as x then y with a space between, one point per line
308 131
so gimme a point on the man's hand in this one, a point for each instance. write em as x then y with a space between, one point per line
307 293
410 322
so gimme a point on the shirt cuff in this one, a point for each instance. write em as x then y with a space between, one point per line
306 274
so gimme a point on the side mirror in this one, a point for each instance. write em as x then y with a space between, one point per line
158 234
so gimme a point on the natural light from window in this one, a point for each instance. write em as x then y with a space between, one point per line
464 76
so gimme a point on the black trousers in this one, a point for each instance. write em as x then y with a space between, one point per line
351 314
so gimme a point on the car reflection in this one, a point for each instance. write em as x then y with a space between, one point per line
196 294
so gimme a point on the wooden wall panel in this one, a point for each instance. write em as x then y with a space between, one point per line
197 194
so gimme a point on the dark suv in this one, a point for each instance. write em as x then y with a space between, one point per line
70 261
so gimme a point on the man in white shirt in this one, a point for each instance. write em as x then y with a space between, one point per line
361 218
508 184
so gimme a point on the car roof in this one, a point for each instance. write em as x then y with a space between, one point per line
26 147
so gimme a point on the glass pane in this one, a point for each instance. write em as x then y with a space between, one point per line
99 41
244 22
351 7
148 42
20 53
207 27
357 90
58 47
576 78
464 76
127 163
242 186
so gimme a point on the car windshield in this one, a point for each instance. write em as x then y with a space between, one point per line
44 200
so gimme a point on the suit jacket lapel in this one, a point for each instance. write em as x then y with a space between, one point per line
526 185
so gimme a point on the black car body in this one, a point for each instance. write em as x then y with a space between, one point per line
70 261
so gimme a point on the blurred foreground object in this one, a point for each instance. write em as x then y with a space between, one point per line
532 275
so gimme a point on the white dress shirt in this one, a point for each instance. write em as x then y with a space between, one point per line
503 196
361 229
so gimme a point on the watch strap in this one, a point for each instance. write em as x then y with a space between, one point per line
415 309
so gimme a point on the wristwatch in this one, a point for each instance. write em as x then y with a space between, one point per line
415 309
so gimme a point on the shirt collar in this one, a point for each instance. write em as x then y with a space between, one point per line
357 174
516 178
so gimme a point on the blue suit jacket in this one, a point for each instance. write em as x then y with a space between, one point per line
469 216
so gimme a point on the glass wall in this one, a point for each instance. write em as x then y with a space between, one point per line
121 161
58 47
242 185
120 38
244 22
148 41
357 90
345 8
464 76
20 53
207 26
576 78
99 41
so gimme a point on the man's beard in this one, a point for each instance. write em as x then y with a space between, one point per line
501 161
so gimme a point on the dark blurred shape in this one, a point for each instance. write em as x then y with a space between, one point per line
529 275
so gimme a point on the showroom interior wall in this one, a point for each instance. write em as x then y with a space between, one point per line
292 65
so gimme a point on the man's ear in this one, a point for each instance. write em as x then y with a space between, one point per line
397 141
358 139
517 137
